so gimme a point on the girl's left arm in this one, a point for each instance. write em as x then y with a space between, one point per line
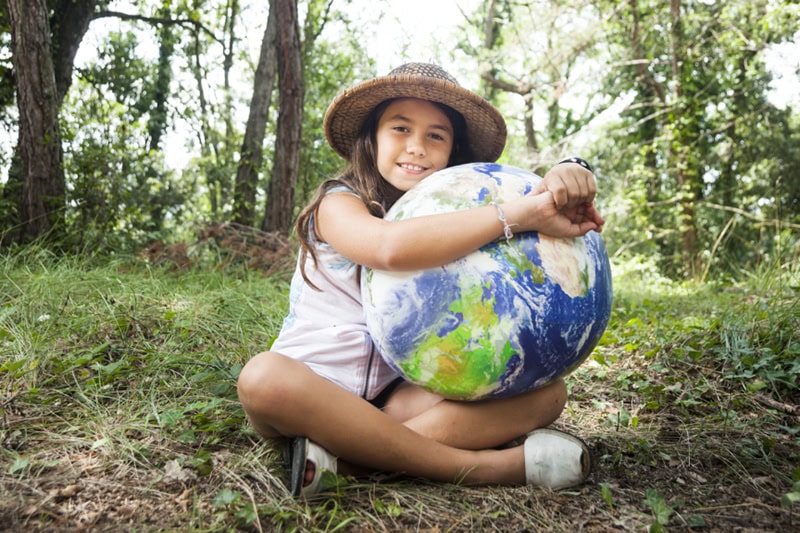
561 207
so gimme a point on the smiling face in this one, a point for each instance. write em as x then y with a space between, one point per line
414 140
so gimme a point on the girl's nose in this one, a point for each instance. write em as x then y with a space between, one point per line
415 145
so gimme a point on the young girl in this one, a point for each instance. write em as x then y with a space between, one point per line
322 383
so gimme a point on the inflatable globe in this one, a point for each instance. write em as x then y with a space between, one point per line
509 318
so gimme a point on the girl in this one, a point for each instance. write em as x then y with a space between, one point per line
322 383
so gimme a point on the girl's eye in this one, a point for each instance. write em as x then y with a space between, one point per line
401 129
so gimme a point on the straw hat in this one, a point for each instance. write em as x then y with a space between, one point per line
486 128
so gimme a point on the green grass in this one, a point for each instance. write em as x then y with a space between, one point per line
132 367
118 406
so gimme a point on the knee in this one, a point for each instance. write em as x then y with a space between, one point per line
262 382
556 397
547 403
410 400
559 392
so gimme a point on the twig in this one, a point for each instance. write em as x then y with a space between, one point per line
780 406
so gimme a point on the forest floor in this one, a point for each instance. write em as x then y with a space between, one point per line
119 413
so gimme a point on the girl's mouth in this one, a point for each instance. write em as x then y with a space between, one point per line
411 167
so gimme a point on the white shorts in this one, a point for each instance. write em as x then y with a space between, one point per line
344 355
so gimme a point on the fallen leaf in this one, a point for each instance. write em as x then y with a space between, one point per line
174 472
70 490
126 510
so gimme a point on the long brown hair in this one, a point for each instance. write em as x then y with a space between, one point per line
363 178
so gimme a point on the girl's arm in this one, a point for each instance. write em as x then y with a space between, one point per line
561 207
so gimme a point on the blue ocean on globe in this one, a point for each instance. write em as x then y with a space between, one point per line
506 319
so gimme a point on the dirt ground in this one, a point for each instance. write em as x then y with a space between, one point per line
681 473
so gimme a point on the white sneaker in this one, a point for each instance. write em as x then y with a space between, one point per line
555 459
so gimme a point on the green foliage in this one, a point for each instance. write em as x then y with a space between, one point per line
175 341
660 509
123 197
121 194
696 167
749 338
791 497
704 151
605 492
327 69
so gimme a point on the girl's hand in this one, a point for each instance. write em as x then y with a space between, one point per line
562 205
570 184
566 221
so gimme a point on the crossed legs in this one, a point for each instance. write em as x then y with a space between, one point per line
418 433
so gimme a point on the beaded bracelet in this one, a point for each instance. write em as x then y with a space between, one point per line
581 162
501 216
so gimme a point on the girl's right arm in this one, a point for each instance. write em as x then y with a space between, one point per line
561 207
344 222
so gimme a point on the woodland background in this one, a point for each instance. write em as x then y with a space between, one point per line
153 155
670 101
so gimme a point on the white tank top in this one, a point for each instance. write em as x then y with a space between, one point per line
326 329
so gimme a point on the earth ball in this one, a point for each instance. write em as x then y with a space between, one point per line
506 319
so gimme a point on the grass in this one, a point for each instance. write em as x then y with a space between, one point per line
118 405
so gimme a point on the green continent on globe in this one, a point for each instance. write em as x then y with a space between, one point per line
463 362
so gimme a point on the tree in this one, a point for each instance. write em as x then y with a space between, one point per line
157 124
280 199
122 104
698 146
683 127
346 58
39 143
43 54
69 23
244 196
217 143
538 51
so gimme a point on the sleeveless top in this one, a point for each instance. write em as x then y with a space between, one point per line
326 329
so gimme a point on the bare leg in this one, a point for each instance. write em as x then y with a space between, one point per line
476 425
282 396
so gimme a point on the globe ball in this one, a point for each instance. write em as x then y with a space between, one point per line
508 318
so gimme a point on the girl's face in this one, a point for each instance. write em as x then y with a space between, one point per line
414 139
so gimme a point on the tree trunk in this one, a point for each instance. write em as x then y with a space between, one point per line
157 125
69 24
530 133
227 164
66 28
491 32
683 135
209 151
280 200
39 143
244 194
652 93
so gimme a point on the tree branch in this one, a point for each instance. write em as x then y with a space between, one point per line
521 88
158 20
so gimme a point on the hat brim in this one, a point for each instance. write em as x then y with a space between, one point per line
486 128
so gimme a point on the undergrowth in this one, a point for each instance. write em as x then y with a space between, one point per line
118 404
